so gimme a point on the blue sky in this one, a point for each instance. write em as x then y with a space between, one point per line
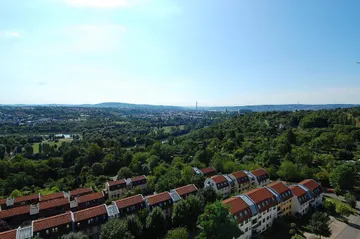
177 52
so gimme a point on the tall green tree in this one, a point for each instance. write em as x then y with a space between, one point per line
319 224
186 212
2 151
75 235
156 223
177 233
217 223
350 199
125 172
343 177
135 226
208 195
115 229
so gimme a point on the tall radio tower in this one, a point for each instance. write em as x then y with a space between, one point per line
196 105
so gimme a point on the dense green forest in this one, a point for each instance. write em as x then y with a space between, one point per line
291 145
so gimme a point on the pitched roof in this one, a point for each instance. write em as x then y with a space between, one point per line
297 191
259 194
138 178
236 204
15 211
50 222
79 191
90 213
54 203
27 198
259 172
117 182
90 197
186 189
310 184
130 201
239 174
219 179
208 170
51 196
2 201
300 193
158 198
8 234
278 187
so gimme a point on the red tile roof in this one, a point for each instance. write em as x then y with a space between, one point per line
236 204
130 201
239 174
50 222
2 201
90 213
79 191
52 196
8 234
282 189
158 198
90 197
297 191
278 187
208 170
311 184
54 203
219 179
238 208
186 189
259 172
15 211
138 178
259 194
263 198
27 198
117 182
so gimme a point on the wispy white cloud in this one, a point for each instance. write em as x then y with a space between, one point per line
103 3
10 34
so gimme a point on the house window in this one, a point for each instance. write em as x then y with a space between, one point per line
47 232
67 226
78 224
235 217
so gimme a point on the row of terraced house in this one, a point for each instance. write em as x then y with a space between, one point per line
85 211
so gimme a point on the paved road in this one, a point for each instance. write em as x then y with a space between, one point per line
352 231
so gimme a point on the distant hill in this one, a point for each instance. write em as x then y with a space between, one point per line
131 106
290 107
246 108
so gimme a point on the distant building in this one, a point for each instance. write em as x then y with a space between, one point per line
242 181
301 201
138 182
90 220
130 205
220 184
243 213
90 200
53 227
79 192
185 191
316 191
284 207
262 177
162 200
267 206
116 188
208 172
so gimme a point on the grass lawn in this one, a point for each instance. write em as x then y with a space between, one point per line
338 203
36 145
